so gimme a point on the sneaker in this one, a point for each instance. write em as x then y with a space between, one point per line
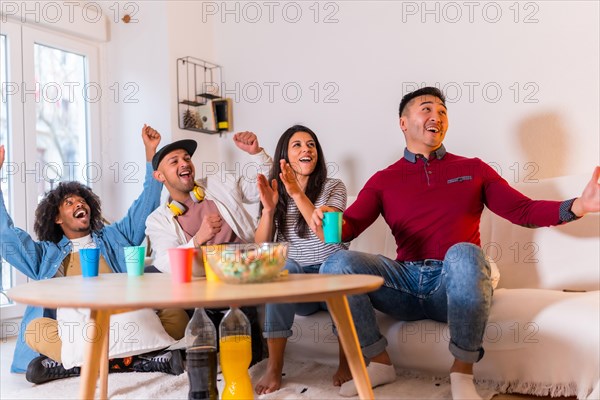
120 364
169 361
43 369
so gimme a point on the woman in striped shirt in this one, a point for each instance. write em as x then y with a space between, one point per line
297 185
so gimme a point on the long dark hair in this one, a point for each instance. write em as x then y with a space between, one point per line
316 180
44 226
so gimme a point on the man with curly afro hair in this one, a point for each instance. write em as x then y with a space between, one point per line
67 219
50 207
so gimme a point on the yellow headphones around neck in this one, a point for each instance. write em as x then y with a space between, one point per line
197 195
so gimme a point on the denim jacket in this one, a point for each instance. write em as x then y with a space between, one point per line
41 260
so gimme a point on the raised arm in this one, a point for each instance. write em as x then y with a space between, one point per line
248 142
17 247
151 139
133 225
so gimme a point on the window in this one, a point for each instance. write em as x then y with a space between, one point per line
61 133
49 115
6 275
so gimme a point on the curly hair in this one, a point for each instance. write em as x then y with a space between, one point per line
315 181
44 226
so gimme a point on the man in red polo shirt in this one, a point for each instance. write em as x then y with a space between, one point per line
432 200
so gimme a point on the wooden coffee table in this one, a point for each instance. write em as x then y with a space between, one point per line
108 294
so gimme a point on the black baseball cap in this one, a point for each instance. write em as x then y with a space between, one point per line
188 145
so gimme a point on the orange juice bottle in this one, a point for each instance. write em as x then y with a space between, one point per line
235 354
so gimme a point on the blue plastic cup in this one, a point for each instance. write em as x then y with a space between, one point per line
90 261
134 260
332 226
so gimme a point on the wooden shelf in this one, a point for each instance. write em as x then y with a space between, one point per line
203 131
208 96
191 103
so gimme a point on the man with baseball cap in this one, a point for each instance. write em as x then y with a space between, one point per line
209 210
188 145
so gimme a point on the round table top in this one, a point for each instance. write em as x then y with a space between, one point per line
154 290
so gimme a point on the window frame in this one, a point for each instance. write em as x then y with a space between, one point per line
21 38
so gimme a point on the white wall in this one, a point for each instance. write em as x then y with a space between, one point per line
376 50
142 54
189 37
135 60
362 62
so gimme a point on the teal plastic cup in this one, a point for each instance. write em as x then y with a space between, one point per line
134 259
90 261
332 226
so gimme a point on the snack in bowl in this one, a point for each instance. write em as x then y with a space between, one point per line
246 262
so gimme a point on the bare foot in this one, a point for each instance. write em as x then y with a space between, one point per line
343 373
269 382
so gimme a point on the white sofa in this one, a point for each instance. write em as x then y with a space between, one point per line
540 339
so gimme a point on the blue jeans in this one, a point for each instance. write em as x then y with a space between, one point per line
279 318
457 291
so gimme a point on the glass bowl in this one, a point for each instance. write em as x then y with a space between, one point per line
246 262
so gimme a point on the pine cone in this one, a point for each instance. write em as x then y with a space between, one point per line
191 120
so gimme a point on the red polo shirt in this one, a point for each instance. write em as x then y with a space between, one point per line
433 204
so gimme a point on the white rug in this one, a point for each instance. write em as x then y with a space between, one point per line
301 381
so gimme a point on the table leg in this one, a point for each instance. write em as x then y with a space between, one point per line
99 324
340 312
104 368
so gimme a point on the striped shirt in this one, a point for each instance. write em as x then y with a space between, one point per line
311 250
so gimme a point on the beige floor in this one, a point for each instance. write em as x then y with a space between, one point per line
11 382
525 397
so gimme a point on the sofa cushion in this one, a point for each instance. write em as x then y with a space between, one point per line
541 342
560 257
131 333
538 341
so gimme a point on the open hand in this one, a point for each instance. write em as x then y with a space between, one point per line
288 177
247 141
269 195
590 198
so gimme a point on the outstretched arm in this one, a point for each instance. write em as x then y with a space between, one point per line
261 162
248 142
151 139
133 225
590 198
17 246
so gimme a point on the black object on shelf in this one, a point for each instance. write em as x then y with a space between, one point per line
224 119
